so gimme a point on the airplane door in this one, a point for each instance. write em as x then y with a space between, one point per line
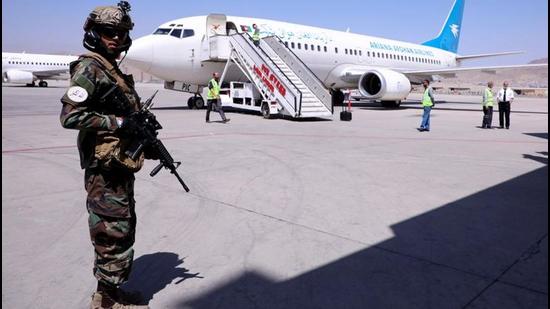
213 46
216 25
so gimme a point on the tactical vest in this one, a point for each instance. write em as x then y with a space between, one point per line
489 98
215 91
121 100
426 100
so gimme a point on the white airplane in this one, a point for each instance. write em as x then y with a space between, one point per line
23 68
185 51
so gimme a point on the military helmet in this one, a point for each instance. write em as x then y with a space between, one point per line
103 18
110 16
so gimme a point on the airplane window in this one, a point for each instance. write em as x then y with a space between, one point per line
360 53
318 48
355 52
176 33
187 33
312 47
326 50
293 45
172 25
368 54
305 46
162 31
179 25
286 44
299 45
336 49
346 51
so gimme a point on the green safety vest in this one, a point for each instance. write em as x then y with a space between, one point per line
256 35
213 93
489 98
427 101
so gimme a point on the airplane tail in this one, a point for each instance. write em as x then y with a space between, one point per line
449 37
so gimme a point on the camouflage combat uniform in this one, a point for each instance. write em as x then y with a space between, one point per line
110 187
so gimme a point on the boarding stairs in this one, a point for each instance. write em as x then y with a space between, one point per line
280 76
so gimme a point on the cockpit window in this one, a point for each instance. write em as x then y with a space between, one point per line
162 31
176 33
188 33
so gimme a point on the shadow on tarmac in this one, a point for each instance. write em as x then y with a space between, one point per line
540 135
151 273
464 254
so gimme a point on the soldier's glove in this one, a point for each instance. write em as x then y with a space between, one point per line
128 125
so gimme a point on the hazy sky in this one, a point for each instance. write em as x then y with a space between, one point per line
49 26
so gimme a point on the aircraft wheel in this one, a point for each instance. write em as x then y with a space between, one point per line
391 104
199 103
266 113
191 103
338 98
42 84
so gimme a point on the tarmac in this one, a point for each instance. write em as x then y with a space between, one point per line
291 214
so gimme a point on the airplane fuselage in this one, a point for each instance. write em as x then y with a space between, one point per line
325 52
26 68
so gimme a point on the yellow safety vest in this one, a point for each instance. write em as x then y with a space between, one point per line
489 98
213 93
427 101
256 35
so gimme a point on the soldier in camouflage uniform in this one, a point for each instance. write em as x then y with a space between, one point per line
98 104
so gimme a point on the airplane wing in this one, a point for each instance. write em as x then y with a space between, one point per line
470 57
49 73
451 72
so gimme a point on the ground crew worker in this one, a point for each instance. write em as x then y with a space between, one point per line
428 102
213 97
98 103
488 104
256 35
505 99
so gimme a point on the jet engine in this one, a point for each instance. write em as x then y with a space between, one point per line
384 85
18 77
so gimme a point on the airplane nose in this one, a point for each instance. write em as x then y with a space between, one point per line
140 54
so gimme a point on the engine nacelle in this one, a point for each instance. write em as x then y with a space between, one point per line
385 85
18 77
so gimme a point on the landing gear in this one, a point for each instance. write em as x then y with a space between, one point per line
191 103
338 98
195 102
391 104
31 84
266 113
199 103
42 84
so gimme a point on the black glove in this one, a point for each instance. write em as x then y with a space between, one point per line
129 125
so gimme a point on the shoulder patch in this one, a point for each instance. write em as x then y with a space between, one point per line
77 94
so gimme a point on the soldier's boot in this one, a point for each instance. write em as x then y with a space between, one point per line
101 300
129 297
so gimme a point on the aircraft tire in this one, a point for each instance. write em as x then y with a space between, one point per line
42 84
338 98
191 103
266 113
199 103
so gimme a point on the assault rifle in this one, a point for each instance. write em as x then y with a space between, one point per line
146 133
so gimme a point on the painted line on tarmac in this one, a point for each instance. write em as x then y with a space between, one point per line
21 150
